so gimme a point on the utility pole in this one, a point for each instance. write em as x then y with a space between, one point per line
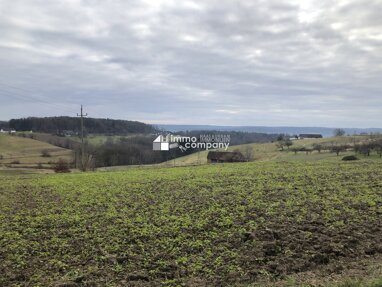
82 139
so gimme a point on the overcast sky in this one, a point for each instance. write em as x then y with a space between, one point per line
270 62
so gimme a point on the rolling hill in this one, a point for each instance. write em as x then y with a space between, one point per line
24 154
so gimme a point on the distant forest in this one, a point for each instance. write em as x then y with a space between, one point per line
3 125
56 125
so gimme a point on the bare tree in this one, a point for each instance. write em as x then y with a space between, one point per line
288 143
377 146
318 147
338 149
295 149
61 166
339 132
280 145
248 152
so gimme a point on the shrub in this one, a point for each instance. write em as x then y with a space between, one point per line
45 153
15 162
349 157
61 166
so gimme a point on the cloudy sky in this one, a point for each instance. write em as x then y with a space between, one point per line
260 62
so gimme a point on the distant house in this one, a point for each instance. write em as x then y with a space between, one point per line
7 132
310 136
221 157
66 133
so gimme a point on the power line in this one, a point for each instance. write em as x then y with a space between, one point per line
14 87
31 98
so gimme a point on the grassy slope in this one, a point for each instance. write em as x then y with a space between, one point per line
277 224
28 152
96 139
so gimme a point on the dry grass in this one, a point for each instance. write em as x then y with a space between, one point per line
19 152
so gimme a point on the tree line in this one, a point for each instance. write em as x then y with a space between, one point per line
365 148
3 125
60 125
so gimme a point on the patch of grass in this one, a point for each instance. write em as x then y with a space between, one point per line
361 283
101 139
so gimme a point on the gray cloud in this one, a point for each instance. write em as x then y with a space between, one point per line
194 62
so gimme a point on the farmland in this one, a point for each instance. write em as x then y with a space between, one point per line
19 154
258 224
